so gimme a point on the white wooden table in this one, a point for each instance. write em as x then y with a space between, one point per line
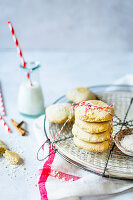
60 71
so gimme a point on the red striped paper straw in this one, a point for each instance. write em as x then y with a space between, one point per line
2 121
2 107
17 43
18 48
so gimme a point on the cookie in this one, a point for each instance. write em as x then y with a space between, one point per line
3 147
94 114
92 138
11 156
91 147
92 127
80 94
59 113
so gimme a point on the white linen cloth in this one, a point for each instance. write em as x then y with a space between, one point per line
90 185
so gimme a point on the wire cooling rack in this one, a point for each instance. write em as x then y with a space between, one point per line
111 163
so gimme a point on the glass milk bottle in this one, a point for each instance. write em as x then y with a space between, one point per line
30 97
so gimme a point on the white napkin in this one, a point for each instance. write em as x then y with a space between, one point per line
127 80
90 184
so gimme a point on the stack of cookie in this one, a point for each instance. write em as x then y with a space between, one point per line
92 127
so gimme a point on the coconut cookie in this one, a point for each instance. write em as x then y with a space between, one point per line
3 147
80 94
92 147
59 113
95 114
92 127
92 138
11 156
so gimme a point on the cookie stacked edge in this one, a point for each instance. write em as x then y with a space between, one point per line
92 129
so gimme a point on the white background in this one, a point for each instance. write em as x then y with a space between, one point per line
68 24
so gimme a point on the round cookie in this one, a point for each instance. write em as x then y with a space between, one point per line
92 127
92 147
94 114
80 94
59 113
92 138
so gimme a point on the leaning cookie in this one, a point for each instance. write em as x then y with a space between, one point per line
59 113
3 147
91 147
95 114
92 127
92 138
80 94
12 157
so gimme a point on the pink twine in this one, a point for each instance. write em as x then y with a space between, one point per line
88 106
